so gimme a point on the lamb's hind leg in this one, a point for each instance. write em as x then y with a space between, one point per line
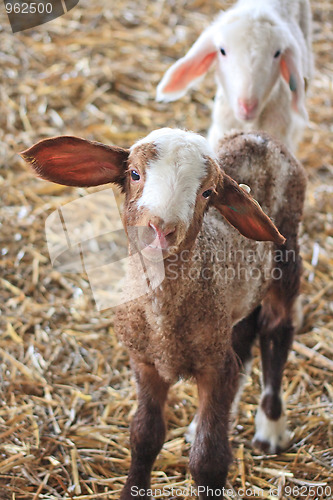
276 330
147 430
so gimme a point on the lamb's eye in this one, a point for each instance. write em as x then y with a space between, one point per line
206 194
223 52
277 54
134 175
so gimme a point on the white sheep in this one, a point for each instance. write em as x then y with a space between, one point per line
264 63
220 289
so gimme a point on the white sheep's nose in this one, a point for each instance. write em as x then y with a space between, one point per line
247 108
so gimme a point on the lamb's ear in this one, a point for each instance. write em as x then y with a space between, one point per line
187 71
77 162
243 212
292 73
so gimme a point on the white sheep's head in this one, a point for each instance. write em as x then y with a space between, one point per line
252 49
170 179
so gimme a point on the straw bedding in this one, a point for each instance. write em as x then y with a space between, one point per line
67 395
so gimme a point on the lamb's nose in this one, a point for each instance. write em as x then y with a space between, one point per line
248 105
162 233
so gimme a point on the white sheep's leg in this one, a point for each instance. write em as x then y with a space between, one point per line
243 336
147 430
210 453
191 430
297 314
214 136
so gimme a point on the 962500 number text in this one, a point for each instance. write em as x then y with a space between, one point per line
28 8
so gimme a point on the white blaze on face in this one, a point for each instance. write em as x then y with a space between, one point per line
174 176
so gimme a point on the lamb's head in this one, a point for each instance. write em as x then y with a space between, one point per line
252 49
172 175
249 62
170 179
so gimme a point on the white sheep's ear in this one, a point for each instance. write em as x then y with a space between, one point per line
188 70
72 161
243 212
291 71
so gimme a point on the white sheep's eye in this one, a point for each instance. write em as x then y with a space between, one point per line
223 52
134 175
277 54
206 194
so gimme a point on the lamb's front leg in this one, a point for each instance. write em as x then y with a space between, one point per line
210 454
147 430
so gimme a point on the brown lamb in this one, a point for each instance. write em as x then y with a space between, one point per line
220 289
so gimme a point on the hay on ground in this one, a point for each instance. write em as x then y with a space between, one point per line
67 394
